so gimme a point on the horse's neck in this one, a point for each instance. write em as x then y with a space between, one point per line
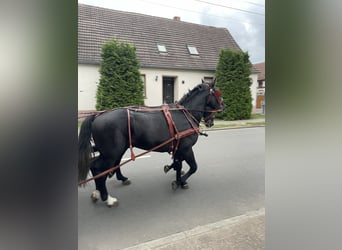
195 110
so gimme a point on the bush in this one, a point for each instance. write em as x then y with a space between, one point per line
233 78
120 82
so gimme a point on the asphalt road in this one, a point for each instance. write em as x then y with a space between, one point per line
229 182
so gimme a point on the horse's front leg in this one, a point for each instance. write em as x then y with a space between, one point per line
190 160
177 166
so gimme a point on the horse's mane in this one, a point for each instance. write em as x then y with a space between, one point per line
191 93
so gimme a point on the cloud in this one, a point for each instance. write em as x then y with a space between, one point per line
247 29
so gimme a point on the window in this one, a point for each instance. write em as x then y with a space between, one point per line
208 79
260 84
143 79
162 48
193 50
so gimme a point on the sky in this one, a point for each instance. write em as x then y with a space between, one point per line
245 19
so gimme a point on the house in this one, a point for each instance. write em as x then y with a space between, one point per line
174 56
260 88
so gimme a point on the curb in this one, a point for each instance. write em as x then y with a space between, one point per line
232 127
236 124
241 232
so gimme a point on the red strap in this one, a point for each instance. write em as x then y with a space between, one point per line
170 123
130 135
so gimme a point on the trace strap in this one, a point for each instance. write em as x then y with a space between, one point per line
130 136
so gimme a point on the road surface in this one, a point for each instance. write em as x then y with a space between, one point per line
229 182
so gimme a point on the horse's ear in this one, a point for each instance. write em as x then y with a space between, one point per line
212 83
202 80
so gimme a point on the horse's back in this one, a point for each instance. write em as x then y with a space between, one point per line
113 119
109 130
149 129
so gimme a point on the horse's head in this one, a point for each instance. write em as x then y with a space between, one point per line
213 105
203 101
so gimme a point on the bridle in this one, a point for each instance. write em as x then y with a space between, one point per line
217 95
210 108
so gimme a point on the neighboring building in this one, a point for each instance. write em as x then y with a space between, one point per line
174 55
260 88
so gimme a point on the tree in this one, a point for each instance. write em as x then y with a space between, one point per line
120 82
233 79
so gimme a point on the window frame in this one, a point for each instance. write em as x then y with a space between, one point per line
143 79
162 48
193 50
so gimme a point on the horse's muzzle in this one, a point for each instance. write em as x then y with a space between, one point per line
209 123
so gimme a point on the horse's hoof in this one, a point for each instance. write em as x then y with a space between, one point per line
166 168
112 202
185 186
95 196
115 204
126 182
174 185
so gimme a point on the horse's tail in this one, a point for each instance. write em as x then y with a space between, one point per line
84 148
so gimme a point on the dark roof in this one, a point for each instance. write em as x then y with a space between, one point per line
98 25
261 69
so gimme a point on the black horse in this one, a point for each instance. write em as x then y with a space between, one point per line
114 131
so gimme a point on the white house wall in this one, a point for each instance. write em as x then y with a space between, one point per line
184 80
88 78
253 89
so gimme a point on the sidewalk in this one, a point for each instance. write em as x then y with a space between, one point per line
244 232
220 124
241 122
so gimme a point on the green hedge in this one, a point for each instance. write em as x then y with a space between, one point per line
233 78
120 82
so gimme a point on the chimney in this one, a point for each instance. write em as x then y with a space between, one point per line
176 18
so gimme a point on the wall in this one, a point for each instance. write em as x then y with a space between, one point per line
154 88
88 78
254 86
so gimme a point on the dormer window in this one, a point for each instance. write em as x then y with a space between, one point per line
193 50
162 48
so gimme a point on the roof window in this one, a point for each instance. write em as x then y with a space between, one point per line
193 50
162 48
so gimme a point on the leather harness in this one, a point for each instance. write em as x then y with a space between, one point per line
175 135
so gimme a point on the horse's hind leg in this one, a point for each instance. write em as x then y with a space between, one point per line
174 166
120 177
101 191
98 166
